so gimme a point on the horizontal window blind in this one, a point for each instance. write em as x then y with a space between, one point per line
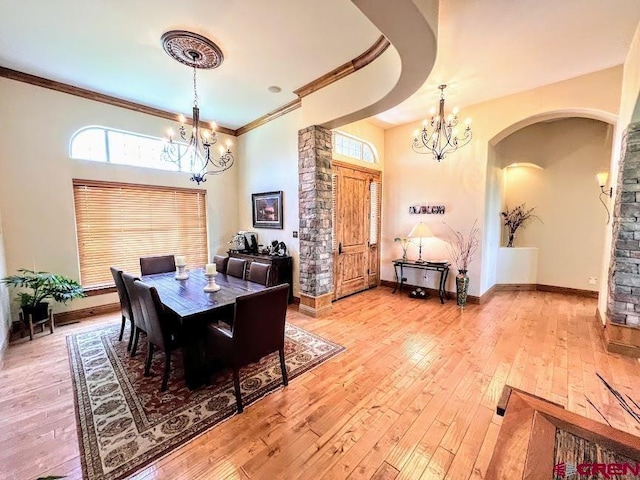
117 223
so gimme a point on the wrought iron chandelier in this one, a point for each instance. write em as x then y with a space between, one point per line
443 137
195 51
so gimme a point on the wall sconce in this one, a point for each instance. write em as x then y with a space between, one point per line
603 177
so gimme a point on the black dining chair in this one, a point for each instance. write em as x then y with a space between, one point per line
160 333
258 330
157 264
236 267
259 273
221 263
125 304
136 311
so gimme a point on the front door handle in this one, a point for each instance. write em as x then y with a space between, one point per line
340 248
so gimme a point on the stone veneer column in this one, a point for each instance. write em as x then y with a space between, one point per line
314 193
623 303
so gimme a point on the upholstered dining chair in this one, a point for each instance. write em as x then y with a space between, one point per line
259 273
236 267
138 320
258 330
159 328
221 263
157 264
125 304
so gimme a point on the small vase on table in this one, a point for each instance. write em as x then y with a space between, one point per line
181 268
210 272
462 286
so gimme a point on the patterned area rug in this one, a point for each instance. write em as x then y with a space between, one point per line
125 422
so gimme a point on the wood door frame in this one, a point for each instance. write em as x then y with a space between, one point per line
374 176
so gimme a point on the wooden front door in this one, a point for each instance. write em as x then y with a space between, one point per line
356 217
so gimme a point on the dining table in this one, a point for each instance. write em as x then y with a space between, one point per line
194 309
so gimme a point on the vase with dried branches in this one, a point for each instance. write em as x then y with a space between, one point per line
462 249
514 219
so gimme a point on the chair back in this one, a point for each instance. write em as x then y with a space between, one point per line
236 267
221 263
158 329
157 264
125 304
259 273
138 319
258 325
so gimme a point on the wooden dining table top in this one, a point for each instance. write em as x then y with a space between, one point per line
187 298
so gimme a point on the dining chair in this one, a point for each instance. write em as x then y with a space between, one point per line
159 329
125 304
221 263
157 264
258 330
236 267
259 273
136 311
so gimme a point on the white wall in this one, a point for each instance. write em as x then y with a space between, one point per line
270 162
36 184
460 180
564 193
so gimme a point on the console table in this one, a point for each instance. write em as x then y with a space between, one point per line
281 268
399 265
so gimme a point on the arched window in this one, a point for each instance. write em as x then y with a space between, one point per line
102 144
351 146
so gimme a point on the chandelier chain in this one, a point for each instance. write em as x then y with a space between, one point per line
195 89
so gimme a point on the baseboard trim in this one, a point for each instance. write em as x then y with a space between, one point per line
511 287
73 316
622 339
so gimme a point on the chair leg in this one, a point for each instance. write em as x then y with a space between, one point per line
51 325
236 386
283 367
136 336
167 369
147 365
133 329
122 328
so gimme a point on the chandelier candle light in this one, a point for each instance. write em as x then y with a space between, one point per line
443 137
195 51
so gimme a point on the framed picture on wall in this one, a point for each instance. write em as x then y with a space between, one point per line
267 210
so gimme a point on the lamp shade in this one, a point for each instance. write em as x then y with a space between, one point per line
420 230
602 178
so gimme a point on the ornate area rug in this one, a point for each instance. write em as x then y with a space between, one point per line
125 422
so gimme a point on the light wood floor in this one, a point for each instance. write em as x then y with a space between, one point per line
413 396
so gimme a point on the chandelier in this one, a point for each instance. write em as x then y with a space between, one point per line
196 153
442 137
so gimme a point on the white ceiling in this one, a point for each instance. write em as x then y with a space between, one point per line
113 47
491 48
487 48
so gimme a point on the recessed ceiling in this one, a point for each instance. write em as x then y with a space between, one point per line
491 48
113 47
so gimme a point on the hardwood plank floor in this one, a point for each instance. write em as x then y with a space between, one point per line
413 396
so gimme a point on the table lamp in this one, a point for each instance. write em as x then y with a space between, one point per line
420 230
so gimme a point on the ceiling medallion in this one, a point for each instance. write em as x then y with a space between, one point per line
192 49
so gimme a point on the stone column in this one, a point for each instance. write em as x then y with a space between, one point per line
314 192
623 303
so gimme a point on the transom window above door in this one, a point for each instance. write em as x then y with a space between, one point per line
353 147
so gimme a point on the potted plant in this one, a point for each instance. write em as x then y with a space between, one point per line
516 218
404 243
41 286
462 250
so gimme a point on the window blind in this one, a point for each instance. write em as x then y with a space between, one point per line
374 212
117 223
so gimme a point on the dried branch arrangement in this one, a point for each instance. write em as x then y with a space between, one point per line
462 249
520 216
